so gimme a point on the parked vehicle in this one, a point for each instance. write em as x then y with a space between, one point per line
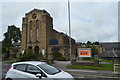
35 70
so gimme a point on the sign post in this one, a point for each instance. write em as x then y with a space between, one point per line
84 52
69 34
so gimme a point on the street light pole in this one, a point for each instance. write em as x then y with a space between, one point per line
69 34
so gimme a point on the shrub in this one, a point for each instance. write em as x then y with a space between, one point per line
61 58
58 56
29 55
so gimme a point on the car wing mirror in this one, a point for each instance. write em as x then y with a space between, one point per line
39 75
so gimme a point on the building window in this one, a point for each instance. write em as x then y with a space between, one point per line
37 35
30 34
30 31
53 42
30 24
36 50
37 26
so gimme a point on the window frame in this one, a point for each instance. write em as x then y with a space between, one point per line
26 67
33 66
14 67
30 27
41 72
37 29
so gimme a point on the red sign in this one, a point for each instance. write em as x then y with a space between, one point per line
84 53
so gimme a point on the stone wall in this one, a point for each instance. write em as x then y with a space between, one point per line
45 34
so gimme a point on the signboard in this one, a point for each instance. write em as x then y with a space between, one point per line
54 42
84 52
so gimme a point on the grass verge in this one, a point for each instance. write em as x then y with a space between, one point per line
107 67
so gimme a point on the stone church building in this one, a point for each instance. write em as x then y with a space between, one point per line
38 35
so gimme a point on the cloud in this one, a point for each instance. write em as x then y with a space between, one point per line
93 21
99 24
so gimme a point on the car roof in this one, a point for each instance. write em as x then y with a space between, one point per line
30 62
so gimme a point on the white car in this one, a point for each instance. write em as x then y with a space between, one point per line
35 70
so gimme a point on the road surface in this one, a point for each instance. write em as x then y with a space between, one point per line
79 74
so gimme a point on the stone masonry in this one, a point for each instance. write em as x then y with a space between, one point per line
38 35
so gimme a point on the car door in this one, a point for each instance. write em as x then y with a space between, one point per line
19 70
33 70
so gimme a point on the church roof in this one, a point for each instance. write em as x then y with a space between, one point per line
37 10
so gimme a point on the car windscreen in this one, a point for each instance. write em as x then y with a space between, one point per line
49 69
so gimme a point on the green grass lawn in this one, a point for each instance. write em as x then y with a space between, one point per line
108 67
117 62
101 60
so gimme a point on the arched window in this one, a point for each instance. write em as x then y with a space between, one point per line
36 50
30 31
30 24
29 48
37 26
37 23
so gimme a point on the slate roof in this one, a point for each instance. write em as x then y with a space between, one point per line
110 54
110 45
112 49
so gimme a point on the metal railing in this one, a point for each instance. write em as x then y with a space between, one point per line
117 68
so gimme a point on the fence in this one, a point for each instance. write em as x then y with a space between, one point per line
117 68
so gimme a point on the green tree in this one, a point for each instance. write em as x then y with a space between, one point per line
94 51
13 34
97 43
89 44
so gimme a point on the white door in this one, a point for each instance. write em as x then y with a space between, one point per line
19 71
33 70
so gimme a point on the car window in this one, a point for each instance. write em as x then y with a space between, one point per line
49 69
21 67
33 69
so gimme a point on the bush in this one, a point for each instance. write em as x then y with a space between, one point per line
58 56
61 58
6 55
95 51
29 55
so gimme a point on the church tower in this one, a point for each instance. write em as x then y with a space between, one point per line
39 36
36 25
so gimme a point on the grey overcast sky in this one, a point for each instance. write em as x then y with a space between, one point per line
90 21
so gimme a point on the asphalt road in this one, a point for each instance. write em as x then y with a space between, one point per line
77 73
